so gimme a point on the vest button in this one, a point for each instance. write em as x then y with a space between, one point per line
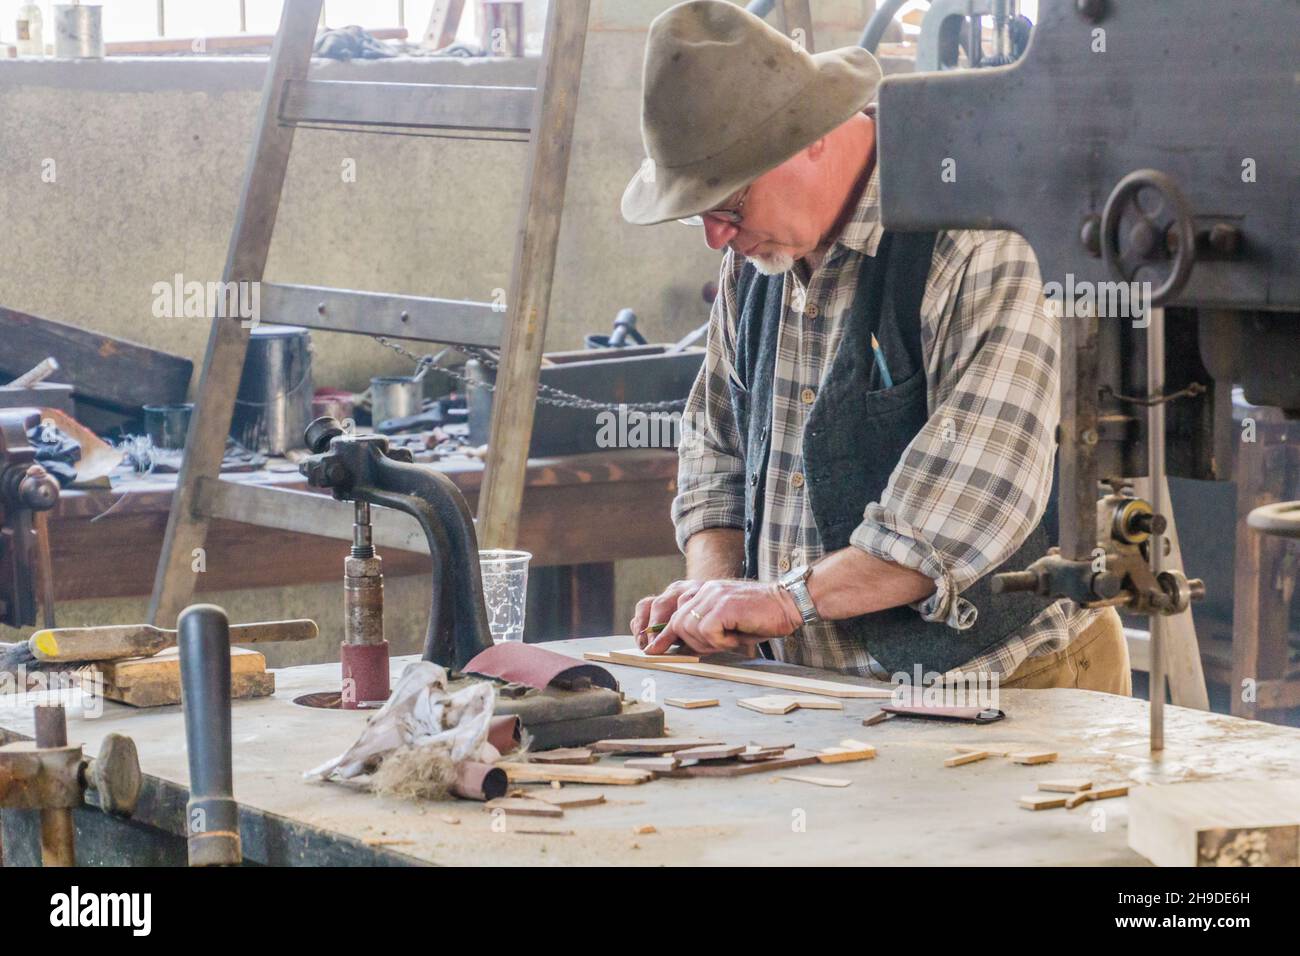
753 479
807 396
749 525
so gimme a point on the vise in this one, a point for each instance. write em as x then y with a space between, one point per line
26 491
366 471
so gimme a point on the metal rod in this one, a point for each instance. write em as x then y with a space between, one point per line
58 832
243 16
1156 477
162 19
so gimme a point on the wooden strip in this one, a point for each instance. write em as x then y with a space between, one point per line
1033 757
972 757
847 752
1041 801
794 758
635 655
691 703
523 807
756 676
569 799
651 745
816 781
566 755
1073 785
710 752
533 773
653 764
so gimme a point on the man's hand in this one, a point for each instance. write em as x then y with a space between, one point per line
714 616
657 609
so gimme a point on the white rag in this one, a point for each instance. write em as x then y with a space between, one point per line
421 713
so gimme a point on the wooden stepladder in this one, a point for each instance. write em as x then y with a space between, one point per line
290 98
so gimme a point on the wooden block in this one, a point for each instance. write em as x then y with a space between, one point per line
757 675
691 703
524 807
962 759
879 717
843 754
535 773
166 666
768 745
634 655
817 703
651 745
713 752
1074 799
1217 823
569 755
569 799
1033 757
165 693
1107 791
1041 801
772 706
1073 785
655 764
817 781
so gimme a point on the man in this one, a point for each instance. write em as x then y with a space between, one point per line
871 435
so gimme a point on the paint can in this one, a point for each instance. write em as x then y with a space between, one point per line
395 396
273 404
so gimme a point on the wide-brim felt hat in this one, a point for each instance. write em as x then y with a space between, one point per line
727 97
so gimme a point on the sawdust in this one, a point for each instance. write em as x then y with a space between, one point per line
415 773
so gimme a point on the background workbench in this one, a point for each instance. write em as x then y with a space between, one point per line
903 807
581 512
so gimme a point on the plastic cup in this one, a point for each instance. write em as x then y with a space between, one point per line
505 591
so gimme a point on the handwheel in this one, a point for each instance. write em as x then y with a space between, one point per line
1163 238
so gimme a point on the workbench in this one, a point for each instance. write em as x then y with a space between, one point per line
903 807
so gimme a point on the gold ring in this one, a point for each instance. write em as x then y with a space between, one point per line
697 615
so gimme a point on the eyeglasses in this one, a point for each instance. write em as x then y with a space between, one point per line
732 215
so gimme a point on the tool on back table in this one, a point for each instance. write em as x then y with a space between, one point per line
66 645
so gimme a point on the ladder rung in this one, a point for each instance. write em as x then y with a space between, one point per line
287 509
417 105
449 321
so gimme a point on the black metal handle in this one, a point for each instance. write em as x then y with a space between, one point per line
212 816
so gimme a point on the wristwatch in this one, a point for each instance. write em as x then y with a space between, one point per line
796 583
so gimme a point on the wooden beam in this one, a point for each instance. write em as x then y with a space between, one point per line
534 267
259 202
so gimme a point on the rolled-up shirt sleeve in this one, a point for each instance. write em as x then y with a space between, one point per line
974 482
711 464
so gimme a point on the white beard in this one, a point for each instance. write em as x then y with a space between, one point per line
773 265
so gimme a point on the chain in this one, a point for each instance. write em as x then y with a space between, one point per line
547 394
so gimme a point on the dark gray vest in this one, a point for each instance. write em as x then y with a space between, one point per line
855 434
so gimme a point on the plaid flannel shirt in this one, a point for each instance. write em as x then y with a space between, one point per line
972 484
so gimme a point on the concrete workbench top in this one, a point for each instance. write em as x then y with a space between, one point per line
904 807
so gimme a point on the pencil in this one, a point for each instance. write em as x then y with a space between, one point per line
885 377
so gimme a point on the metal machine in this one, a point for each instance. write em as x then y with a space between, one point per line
366 471
27 491
1147 153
